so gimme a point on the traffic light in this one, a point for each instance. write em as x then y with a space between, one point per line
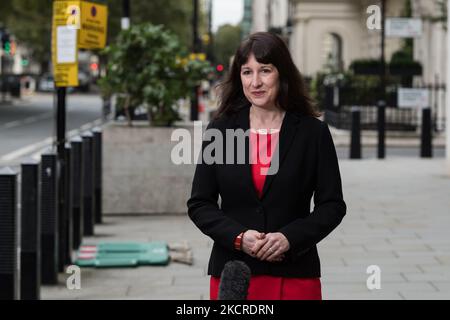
24 62
12 49
93 66
6 42
8 45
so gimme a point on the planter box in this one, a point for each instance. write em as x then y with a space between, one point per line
138 174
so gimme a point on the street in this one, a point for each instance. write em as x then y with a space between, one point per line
31 120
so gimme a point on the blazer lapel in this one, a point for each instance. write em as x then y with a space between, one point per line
243 122
287 133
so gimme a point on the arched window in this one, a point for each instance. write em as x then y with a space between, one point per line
332 52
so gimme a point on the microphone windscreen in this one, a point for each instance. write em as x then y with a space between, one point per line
234 281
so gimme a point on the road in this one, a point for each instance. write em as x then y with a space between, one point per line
31 120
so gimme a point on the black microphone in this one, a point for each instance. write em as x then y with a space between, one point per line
234 281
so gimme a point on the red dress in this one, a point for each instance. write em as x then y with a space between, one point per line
266 287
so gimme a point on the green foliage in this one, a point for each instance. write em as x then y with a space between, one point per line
31 20
146 65
364 62
354 89
175 15
226 41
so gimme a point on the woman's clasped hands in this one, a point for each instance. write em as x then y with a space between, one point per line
265 246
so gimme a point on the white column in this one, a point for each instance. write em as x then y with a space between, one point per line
447 113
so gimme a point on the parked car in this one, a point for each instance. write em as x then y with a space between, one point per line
46 83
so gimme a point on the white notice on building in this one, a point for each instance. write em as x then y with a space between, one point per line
403 27
66 45
410 98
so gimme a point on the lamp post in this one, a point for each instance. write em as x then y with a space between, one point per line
381 104
125 21
447 118
195 49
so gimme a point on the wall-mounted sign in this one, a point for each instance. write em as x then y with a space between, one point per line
93 25
403 27
412 98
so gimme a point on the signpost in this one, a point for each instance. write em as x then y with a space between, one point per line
93 25
403 27
76 24
64 43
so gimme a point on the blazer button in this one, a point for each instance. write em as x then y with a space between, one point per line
259 210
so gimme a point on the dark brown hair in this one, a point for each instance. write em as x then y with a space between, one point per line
267 48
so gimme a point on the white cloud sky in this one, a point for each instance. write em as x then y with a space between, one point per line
227 11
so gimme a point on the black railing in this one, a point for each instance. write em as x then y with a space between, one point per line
397 119
336 103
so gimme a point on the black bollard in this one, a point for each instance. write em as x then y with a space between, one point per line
49 219
381 126
426 144
62 213
76 177
69 207
9 273
355 143
30 253
98 174
88 185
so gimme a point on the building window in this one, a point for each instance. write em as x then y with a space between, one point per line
332 52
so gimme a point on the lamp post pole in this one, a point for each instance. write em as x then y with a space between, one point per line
125 21
195 49
447 118
381 104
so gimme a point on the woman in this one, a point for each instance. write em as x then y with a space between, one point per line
264 216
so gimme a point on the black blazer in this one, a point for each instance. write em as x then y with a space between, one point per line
308 165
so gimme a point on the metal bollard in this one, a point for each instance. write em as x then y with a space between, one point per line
9 266
381 127
355 143
30 253
62 212
98 174
69 212
49 219
426 143
76 169
88 185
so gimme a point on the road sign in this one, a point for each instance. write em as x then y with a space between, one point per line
66 16
411 97
403 27
93 25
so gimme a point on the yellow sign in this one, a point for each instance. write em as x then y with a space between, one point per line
93 25
197 56
66 18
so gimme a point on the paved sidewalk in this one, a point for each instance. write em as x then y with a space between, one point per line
398 219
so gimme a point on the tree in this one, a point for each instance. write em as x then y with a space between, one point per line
146 67
31 21
226 41
175 15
